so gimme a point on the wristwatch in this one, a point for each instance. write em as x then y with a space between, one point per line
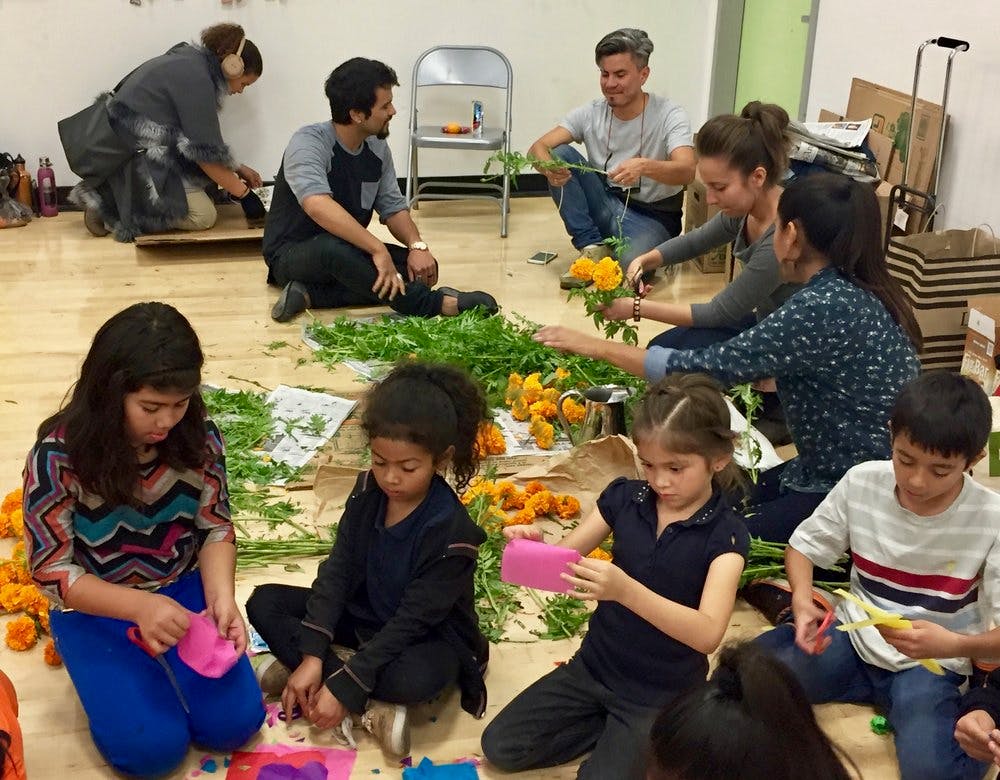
419 245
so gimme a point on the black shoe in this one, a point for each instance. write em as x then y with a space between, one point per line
293 300
470 300
773 600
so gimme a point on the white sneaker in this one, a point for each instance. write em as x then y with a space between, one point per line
390 725
596 252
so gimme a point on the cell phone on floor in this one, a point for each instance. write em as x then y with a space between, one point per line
542 258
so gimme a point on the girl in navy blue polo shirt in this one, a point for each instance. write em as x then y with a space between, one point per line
397 587
663 604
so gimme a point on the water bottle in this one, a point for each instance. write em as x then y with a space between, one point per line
23 183
46 184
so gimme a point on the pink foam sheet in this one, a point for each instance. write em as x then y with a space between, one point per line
201 648
537 565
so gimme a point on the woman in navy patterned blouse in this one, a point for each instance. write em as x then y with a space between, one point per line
839 350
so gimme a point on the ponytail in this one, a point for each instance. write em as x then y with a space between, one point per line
840 219
754 139
687 413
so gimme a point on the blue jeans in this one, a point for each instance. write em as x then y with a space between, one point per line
136 719
592 212
692 337
921 707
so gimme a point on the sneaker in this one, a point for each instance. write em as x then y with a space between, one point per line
272 675
94 223
293 301
773 600
390 725
470 300
596 252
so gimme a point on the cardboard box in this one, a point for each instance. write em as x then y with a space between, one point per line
889 110
696 213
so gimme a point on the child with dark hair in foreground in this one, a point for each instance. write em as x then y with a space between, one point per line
925 544
736 724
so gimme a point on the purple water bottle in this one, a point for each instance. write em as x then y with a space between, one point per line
46 184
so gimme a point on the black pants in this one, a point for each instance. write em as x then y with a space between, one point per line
562 716
336 273
420 672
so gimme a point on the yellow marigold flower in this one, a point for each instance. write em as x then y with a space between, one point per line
599 554
567 506
573 410
52 657
524 517
607 274
551 394
21 633
561 373
583 268
543 432
541 503
513 391
544 409
532 387
12 501
519 409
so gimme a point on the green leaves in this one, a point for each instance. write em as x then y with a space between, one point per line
513 163
489 348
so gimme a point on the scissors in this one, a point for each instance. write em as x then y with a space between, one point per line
296 714
136 638
827 621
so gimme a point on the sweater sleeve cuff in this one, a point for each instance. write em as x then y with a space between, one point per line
348 689
314 642
657 362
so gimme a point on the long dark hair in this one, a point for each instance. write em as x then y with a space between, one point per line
223 39
686 413
755 138
739 723
432 405
146 345
840 219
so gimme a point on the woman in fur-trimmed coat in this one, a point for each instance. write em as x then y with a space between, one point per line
166 110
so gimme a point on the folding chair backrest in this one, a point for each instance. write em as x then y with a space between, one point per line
479 66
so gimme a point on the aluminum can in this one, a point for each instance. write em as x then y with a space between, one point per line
477 117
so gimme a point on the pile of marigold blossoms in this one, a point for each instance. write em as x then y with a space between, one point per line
511 505
534 399
18 593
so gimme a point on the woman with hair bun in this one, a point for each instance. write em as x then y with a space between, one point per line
166 110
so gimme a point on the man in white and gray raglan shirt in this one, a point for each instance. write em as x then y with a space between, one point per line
642 141
334 175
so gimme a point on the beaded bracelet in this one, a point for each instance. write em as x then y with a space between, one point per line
635 308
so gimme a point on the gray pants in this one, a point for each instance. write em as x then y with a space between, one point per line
562 716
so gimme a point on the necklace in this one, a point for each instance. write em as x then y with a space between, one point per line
642 130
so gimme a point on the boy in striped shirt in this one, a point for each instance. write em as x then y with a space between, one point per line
924 541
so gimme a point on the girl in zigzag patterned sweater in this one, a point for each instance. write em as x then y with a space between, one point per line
127 526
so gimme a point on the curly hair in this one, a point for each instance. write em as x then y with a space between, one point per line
223 39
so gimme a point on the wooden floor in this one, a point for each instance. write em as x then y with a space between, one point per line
59 284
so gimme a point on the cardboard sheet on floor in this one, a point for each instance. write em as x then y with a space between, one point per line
231 225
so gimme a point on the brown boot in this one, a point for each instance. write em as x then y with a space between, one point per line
271 673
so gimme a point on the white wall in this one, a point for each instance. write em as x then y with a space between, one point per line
89 44
878 42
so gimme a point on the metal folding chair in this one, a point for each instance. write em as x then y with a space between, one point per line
449 66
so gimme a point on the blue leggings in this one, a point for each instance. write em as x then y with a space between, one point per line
136 718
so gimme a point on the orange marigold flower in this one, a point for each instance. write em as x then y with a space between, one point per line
43 620
524 517
489 441
52 657
514 500
583 268
607 274
12 500
561 373
15 523
551 394
544 409
21 633
541 503
17 554
573 410
567 506
599 554
532 387
534 487
38 604
15 597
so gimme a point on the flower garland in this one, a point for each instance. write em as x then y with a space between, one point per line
607 276
18 593
534 399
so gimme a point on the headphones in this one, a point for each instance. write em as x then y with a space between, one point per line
232 64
